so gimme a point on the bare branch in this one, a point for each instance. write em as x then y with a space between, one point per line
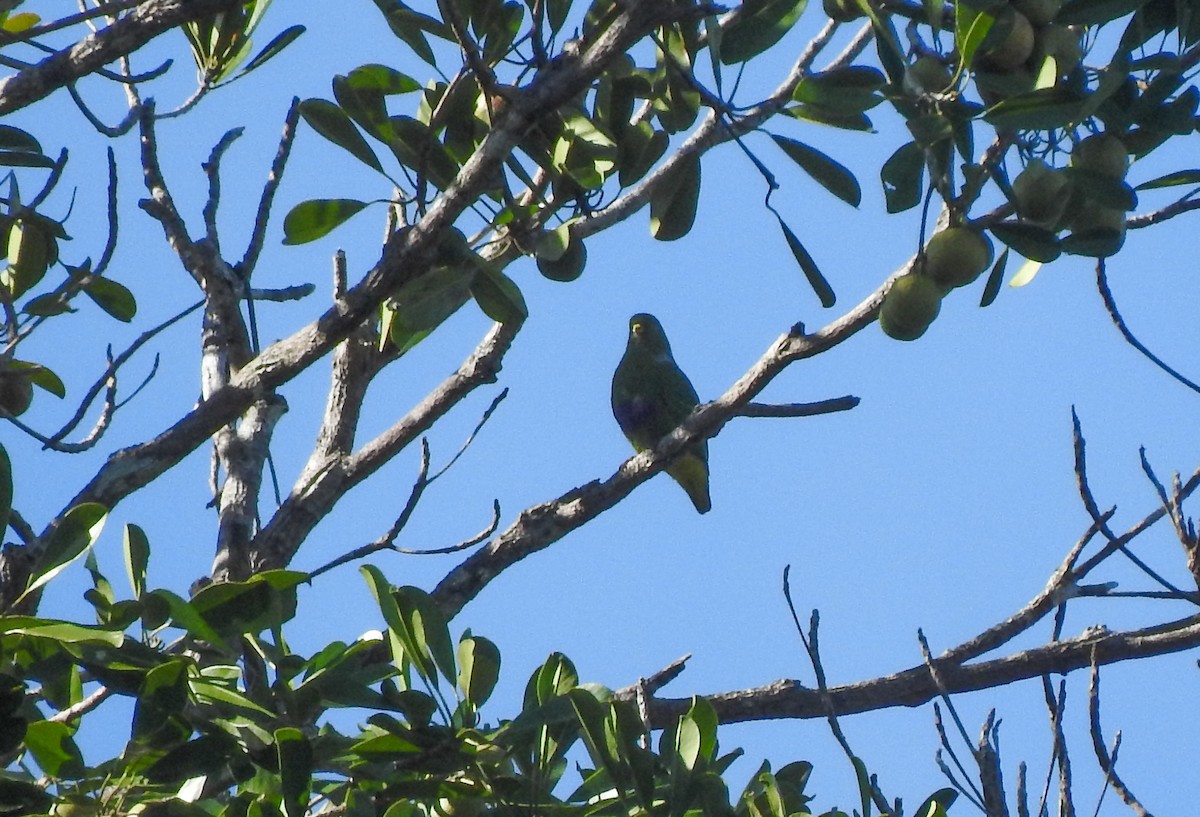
915 686
829 406
1108 762
261 216
326 483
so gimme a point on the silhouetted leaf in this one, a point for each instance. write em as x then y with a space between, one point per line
332 122
816 280
281 41
1033 242
760 24
833 176
901 175
673 202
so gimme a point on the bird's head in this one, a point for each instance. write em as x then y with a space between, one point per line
647 332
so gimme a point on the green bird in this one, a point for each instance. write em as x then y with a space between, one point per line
651 396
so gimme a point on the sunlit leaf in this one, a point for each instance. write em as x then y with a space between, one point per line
1025 273
309 220
76 531
1176 179
113 298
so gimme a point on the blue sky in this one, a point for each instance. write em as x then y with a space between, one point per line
944 501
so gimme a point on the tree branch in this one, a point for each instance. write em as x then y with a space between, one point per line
123 37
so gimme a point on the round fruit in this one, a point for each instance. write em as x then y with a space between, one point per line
1009 43
1041 193
842 11
1097 230
1062 43
956 256
996 86
16 391
911 304
1038 12
1102 153
568 266
927 75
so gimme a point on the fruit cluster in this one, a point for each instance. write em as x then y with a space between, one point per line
953 258
1022 44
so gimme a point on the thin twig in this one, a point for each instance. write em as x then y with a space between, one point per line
1110 304
1108 762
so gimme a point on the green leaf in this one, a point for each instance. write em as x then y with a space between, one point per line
295 756
75 533
816 280
52 746
309 220
1176 179
498 296
42 377
16 139
382 79
831 175
263 601
186 617
279 42
826 116
568 264
1101 189
61 631
849 90
1025 273
137 556
414 145
6 488
163 696
1034 242
992 288
1043 109
112 297
638 150
427 627
902 175
673 202
479 669
971 26
332 122
760 24
941 799
1096 12
19 158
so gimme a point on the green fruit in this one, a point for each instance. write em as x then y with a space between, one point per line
842 11
956 256
1009 43
910 306
568 266
1102 153
996 86
16 391
1038 12
927 75
1063 44
1096 231
1042 193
